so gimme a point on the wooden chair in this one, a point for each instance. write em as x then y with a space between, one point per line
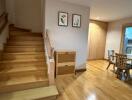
122 67
111 59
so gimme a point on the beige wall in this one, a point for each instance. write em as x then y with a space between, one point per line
2 6
3 37
0 54
4 33
68 38
10 8
114 35
25 14
97 39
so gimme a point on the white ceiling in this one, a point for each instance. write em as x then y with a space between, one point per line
107 10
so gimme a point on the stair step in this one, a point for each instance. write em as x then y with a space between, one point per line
13 28
11 40
43 93
23 65
28 64
6 73
27 38
14 56
26 43
22 83
18 33
24 49
22 61
21 69
24 53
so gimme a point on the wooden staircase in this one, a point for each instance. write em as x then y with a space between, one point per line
23 65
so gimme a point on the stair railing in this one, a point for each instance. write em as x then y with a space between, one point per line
49 50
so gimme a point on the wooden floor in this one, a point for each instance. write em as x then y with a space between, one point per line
95 84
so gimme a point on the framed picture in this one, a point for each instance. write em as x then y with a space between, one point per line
63 19
76 20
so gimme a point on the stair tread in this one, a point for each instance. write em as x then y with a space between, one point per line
21 60
23 64
24 50
37 64
22 80
25 42
22 56
21 46
17 31
15 35
23 33
19 69
24 37
23 53
32 94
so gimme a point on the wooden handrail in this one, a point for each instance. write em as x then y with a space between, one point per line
50 58
3 21
49 46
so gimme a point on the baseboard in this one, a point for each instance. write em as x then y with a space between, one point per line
0 54
96 59
38 33
18 28
80 70
105 59
11 25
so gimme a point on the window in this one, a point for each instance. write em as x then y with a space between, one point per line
128 40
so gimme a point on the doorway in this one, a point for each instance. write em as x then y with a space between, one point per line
97 40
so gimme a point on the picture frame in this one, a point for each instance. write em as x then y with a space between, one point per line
76 20
63 19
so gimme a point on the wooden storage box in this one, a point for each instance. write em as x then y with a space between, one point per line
65 62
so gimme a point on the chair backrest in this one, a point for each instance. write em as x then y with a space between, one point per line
111 54
121 61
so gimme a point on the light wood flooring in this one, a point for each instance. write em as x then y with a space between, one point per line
95 84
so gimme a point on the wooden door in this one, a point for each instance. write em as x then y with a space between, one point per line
97 40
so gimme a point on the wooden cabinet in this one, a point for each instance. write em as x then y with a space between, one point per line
65 62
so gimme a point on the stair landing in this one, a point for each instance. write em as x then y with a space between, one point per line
43 93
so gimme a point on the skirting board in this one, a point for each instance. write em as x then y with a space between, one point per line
0 54
96 59
12 27
80 70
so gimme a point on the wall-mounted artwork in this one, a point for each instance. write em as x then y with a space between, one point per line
76 20
63 19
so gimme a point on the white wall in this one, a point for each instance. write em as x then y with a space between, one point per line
25 14
113 39
3 37
68 38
